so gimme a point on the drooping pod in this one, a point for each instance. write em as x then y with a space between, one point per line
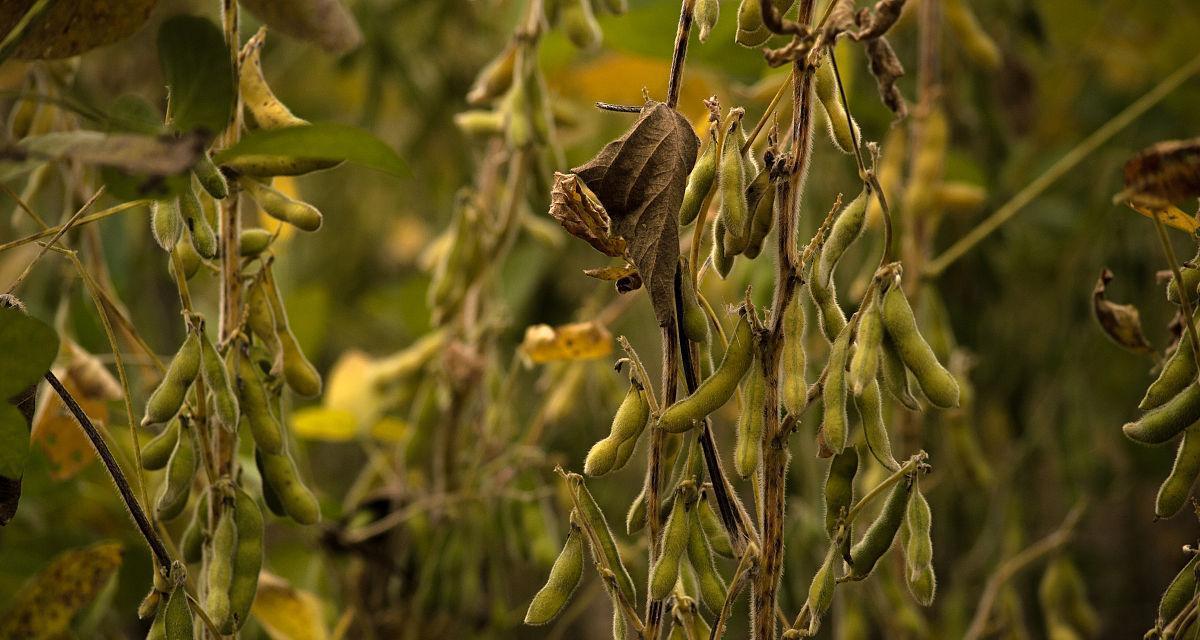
495 78
868 343
177 622
793 385
301 376
879 536
264 426
564 577
870 411
843 130
1174 492
895 375
762 214
731 185
700 180
674 542
715 390
252 242
579 22
710 522
591 514
722 262
935 380
200 232
1191 281
918 552
212 368
220 566
1177 373
846 229
191 544
748 449
157 451
751 32
247 560
1178 594
1164 422
700 556
834 422
820 591
167 398
706 13
695 322
839 493
627 425
181 470
166 223
279 471
210 177
276 204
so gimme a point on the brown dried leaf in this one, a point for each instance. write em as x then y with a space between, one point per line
70 28
873 23
886 68
1121 322
1163 173
577 341
326 23
639 178
580 212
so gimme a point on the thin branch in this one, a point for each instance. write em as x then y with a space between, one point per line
680 54
46 247
99 215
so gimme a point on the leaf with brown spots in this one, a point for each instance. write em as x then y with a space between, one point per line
577 341
68 29
45 606
1121 322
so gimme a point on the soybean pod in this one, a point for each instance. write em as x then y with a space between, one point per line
834 421
1178 594
846 229
715 390
591 514
157 451
167 398
895 375
748 448
839 494
938 384
213 369
564 578
301 376
868 343
792 371
882 532
264 426
1162 423
627 425
220 566
700 556
918 552
279 470
177 623
731 185
674 542
181 470
200 232
247 560
1174 492
710 522
842 128
276 204
700 180
1177 373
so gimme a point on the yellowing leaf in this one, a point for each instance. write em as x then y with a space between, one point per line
349 389
46 604
1171 216
390 430
320 423
578 341
288 613
59 436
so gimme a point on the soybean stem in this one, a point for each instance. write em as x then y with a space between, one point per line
99 215
680 54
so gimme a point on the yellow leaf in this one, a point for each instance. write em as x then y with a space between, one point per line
1171 216
390 430
321 423
619 77
46 604
288 613
349 388
578 341
59 436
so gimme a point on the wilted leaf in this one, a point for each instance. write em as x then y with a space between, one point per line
1163 173
578 341
46 604
71 27
155 156
288 613
640 178
321 423
579 211
59 436
199 75
874 22
1121 322
322 141
1170 216
886 68
325 23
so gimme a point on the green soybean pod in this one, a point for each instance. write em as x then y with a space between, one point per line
270 498
830 318
695 322
839 490
700 556
167 398
301 376
580 25
700 180
166 224
879 536
624 453
220 567
264 426
560 585
279 470
260 317
748 449
177 623
187 257
630 420
1177 373
842 128
870 411
868 343
938 384
635 517
794 361
299 214
922 584
590 512
833 395
203 239
674 542
181 470
918 552
715 390
846 229
247 560
252 242
751 32
191 543
1191 281
1162 423
820 591
210 177
710 522
731 186
157 452
1177 487
212 367
722 262
761 219
1178 594
707 12
895 375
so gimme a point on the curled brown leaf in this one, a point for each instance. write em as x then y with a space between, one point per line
886 68
1121 322
1163 173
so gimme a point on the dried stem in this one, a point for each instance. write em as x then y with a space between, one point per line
680 54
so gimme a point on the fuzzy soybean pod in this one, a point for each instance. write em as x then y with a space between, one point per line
695 322
579 23
675 535
870 411
247 560
1177 487
820 591
846 229
260 317
181 470
700 556
731 185
274 203
762 218
210 177
834 422
710 522
722 262
868 343
938 384
177 622
279 470
157 452
220 567
625 452
1178 594
212 367
264 426
203 239
166 224
839 491
707 12
627 425
879 536
1191 281
700 180
716 389
895 375
918 553
830 318
191 544
591 514
1177 373
794 361
564 578
301 376
252 242
1162 423
751 32
842 128
167 398
748 450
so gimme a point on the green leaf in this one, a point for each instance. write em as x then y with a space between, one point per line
29 347
323 141
196 66
14 442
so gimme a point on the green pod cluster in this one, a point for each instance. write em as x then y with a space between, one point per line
882 533
1178 594
793 384
731 187
157 451
710 522
700 556
212 368
253 242
674 542
870 412
591 514
1174 492
627 426
181 470
715 390
167 398
301 376
842 128
839 493
761 202
700 180
938 383
200 232
220 567
279 471
247 560
748 449
722 261
274 203
579 23
166 223
895 375
706 14
868 343
695 321
918 551
834 422
191 543
1191 281
210 177
846 229
564 578
264 426
1164 422
1177 373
